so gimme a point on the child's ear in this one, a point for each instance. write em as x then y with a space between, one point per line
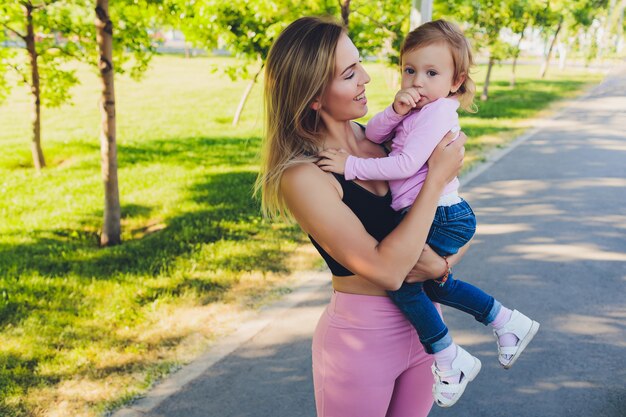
316 105
459 81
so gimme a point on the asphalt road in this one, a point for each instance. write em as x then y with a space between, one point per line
551 242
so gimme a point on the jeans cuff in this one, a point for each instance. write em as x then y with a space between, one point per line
439 345
493 313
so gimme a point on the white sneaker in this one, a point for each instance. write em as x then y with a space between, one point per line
524 329
464 366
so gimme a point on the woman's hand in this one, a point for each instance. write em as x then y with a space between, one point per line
456 258
446 161
432 266
429 266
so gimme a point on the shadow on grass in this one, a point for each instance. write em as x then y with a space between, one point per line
199 151
50 279
194 151
230 218
17 373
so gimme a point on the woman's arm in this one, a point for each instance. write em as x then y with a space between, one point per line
432 266
316 204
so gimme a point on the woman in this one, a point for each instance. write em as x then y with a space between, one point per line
367 359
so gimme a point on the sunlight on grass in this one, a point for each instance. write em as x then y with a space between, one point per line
86 329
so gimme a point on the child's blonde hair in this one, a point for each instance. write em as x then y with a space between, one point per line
441 31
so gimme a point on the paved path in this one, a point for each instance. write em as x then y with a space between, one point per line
551 242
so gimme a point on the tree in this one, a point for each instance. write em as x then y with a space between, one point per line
247 28
572 15
379 27
51 33
42 31
485 20
523 14
134 19
111 231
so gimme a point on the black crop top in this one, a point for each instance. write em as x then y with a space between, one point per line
374 211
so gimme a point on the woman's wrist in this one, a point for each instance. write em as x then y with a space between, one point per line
444 277
435 182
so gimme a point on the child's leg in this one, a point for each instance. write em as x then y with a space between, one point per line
465 297
420 311
452 228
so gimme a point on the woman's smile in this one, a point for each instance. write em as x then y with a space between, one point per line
361 98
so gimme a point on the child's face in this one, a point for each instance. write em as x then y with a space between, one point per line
429 69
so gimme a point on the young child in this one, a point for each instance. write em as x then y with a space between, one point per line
436 59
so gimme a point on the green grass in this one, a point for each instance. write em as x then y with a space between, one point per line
73 315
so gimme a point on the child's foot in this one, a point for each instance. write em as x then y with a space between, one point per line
450 382
513 337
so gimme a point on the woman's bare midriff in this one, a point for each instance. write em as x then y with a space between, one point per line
355 284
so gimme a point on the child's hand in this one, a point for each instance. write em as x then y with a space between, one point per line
333 160
406 100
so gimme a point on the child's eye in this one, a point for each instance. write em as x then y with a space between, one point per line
431 73
350 76
409 71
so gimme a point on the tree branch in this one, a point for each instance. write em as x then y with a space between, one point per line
376 22
14 31
17 69
45 4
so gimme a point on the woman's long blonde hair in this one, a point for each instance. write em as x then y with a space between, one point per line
299 68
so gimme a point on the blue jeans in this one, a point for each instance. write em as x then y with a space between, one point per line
452 228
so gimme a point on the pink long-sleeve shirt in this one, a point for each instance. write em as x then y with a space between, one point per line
415 137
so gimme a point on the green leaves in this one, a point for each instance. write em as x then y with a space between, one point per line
65 32
55 82
245 28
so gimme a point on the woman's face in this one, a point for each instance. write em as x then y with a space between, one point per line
345 97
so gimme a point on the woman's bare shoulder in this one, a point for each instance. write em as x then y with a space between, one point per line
306 177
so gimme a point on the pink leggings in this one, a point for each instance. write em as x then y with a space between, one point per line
368 361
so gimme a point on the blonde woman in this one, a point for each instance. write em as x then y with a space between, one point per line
367 359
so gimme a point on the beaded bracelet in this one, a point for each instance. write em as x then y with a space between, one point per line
444 278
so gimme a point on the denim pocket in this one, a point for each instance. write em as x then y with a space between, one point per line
452 228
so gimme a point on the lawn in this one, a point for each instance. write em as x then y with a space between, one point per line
85 329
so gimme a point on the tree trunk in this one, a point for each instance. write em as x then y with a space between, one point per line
108 149
517 54
36 150
485 95
345 12
563 50
244 97
546 62
620 23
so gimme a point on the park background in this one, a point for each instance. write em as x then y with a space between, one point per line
87 326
